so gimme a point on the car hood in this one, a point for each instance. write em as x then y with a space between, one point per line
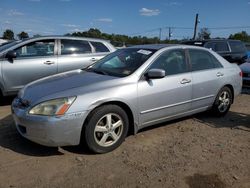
61 82
245 67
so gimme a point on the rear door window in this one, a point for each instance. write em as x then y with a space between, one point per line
221 47
70 47
99 47
210 45
203 60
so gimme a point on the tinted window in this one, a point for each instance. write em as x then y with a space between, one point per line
100 47
173 62
237 46
210 45
202 60
248 47
221 47
38 48
69 47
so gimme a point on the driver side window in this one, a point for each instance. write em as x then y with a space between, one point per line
37 48
173 62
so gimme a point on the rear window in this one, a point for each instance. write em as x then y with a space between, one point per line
237 46
99 47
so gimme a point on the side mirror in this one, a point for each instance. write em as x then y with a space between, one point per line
10 55
155 74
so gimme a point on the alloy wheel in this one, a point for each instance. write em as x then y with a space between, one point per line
108 130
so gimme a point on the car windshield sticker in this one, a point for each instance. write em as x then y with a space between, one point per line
144 52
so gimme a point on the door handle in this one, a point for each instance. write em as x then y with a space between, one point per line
219 74
49 62
185 81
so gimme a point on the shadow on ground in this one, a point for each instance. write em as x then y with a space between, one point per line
10 139
205 181
233 120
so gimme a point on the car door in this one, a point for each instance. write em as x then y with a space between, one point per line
160 99
75 54
207 78
33 60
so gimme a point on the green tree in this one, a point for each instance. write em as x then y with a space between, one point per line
243 36
116 39
8 34
22 35
204 33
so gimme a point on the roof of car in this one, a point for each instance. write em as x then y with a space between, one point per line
153 46
207 40
66 37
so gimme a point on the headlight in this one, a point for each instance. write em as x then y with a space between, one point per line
53 107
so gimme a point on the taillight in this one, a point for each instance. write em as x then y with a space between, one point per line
241 74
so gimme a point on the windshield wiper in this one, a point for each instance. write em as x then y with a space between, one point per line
97 71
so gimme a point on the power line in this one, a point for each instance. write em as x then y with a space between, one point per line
189 28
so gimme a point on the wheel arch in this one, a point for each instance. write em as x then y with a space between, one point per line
231 89
132 125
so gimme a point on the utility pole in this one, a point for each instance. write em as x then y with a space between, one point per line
169 33
195 25
160 34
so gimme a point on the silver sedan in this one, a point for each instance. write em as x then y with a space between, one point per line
125 91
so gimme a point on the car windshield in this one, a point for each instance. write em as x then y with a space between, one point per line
122 62
8 45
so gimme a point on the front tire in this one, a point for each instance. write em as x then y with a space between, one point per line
222 102
106 128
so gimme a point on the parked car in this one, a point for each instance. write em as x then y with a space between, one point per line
248 51
233 51
24 61
2 41
245 68
129 89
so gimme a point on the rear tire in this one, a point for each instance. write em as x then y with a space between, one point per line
106 128
222 102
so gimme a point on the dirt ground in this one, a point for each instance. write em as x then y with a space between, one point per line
194 152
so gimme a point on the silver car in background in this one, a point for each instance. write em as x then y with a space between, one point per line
22 62
127 90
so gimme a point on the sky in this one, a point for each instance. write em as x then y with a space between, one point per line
129 17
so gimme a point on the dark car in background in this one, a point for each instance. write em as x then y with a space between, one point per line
233 51
248 51
245 68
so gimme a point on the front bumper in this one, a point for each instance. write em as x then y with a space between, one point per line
49 131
